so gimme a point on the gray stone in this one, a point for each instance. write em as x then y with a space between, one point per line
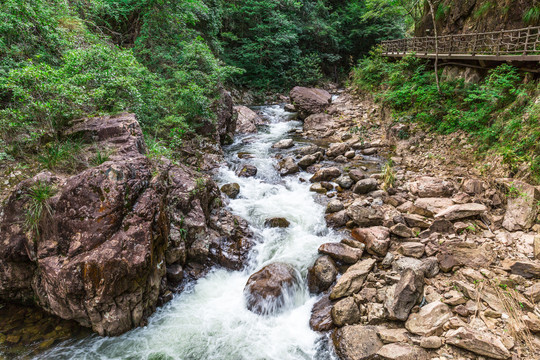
365 186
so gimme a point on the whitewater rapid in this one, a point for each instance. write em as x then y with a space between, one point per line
209 319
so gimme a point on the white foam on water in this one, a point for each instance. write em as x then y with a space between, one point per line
210 319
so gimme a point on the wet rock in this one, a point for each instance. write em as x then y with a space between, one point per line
321 315
407 293
365 186
288 167
277 223
356 342
478 342
336 149
318 188
267 289
413 249
365 216
232 240
325 174
308 160
351 282
308 101
430 187
350 154
341 252
522 207
345 312
289 108
461 211
231 190
175 273
356 175
225 125
400 351
344 181
429 320
334 206
284 144
393 335
402 231
322 274
376 239
319 123
248 171
247 119
337 219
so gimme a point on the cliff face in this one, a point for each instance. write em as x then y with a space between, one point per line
466 16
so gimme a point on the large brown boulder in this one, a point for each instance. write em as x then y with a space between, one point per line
267 290
310 101
99 252
247 120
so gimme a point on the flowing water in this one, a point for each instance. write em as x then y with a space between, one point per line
209 320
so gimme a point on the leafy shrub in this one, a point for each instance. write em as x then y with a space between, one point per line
500 111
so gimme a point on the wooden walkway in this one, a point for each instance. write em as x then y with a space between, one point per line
521 45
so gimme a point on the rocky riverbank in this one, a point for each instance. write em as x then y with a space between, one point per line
438 262
112 242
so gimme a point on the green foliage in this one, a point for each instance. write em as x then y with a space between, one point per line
483 9
280 43
101 157
38 205
500 111
60 155
532 15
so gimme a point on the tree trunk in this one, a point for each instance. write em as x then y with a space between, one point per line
432 10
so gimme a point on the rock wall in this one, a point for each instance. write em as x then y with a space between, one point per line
117 236
466 16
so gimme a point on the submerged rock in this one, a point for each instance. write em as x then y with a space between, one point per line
248 171
267 290
277 223
231 190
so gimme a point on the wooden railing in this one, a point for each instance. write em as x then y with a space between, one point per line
497 44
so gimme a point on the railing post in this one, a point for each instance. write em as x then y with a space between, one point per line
527 40
499 44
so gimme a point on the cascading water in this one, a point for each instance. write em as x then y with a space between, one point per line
209 320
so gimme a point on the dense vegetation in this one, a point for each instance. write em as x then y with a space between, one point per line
501 111
165 60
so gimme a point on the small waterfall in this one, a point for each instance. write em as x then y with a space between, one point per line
209 320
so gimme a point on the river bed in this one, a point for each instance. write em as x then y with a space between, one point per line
209 319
